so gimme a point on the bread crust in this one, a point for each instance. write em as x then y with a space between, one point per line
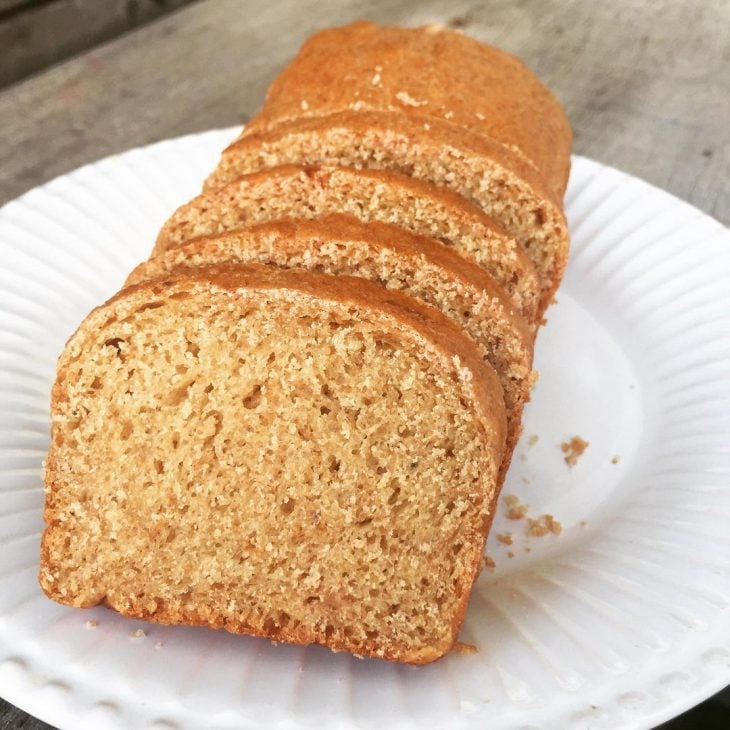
260 151
520 276
425 73
477 377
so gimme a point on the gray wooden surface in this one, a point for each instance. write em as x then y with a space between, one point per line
646 85
36 33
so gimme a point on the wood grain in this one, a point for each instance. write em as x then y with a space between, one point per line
11 718
646 86
36 33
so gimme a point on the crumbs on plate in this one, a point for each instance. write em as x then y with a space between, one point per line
536 527
573 449
461 647
543 525
515 509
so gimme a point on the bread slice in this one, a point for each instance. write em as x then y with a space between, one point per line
383 253
277 453
427 72
508 190
293 191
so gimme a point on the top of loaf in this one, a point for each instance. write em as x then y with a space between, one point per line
426 72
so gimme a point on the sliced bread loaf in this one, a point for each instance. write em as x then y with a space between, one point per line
278 453
508 190
427 72
383 253
293 191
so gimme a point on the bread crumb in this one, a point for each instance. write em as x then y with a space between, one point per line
304 105
543 525
461 647
533 439
573 449
91 624
505 538
515 509
486 562
616 459
510 554
528 549
138 634
583 523
405 98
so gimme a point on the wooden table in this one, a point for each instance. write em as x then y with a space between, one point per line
646 85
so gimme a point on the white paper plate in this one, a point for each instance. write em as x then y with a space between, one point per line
620 622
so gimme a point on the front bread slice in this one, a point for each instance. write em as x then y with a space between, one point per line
278 453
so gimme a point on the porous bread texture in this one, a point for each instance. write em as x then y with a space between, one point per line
507 190
427 72
293 191
277 453
383 253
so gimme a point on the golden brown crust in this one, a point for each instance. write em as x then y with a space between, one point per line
224 208
298 635
523 190
477 377
425 73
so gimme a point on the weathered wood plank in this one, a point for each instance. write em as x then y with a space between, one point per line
8 6
37 33
11 718
646 84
